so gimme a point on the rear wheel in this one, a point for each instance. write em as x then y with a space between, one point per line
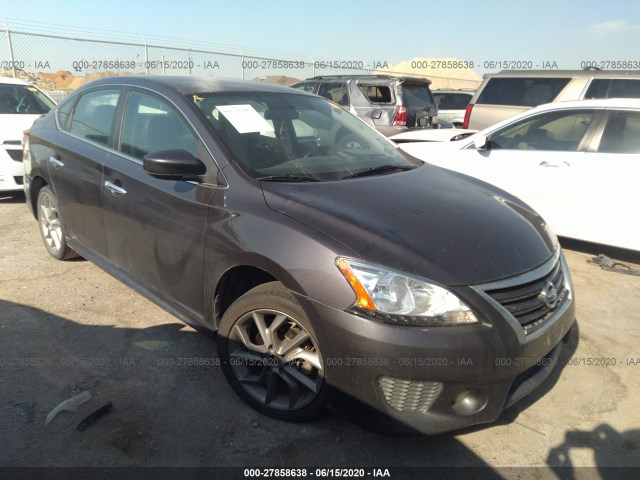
270 355
51 228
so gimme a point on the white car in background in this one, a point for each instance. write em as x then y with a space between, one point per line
577 163
20 105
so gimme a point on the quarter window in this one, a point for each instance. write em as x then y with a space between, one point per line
377 93
94 114
559 131
621 134
151 125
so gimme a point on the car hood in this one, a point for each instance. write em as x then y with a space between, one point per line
429 222
12 125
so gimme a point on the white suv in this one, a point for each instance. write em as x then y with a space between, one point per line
20 105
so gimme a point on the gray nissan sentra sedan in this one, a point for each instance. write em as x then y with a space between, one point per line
411 298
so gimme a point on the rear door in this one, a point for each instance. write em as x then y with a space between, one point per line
75 165
420 104
609 172
156 227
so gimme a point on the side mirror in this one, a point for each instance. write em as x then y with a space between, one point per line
481 142
173 165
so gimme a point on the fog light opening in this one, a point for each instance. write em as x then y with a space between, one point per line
469 402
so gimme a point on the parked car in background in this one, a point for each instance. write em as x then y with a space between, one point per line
20 104
577 163
392 104
410 297
502 95
452 105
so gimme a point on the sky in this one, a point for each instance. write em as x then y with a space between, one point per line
567 33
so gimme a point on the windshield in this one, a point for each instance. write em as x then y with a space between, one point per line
292 137
23 99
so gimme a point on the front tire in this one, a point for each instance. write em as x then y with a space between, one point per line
270 355
53 233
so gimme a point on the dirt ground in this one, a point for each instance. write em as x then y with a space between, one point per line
68 326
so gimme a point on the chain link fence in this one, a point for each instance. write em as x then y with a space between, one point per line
60 64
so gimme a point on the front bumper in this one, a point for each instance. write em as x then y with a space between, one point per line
11 170
400 379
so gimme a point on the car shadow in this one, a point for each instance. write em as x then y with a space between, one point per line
623 254
171 406
12 197
609 447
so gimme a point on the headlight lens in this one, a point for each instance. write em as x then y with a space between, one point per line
398 298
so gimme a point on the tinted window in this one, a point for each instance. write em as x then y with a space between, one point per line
306 87
452 101
621 134
525 92
377 93
64 112
93 115
276 135
150 125
417 95
559 131
614 88
24 99
335 91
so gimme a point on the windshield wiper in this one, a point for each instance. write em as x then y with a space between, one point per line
379 170
289 178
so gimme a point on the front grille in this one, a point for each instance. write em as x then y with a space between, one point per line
15 155
409 395
533 303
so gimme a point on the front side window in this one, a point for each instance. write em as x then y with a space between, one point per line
523 92
621 133
291 137
151 125
23 99
93 115
558 131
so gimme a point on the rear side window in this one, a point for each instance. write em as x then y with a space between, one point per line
93 116
614 88
522 92
621 134
377 93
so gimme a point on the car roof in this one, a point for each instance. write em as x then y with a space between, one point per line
564 73
191 84
370 78
13 81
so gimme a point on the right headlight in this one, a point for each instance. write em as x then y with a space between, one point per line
395 297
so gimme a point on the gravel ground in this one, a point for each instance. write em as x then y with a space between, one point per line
68 326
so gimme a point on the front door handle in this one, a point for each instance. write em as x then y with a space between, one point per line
116 190
546 163
54 160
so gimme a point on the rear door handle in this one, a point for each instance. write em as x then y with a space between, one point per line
54 160
116 190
